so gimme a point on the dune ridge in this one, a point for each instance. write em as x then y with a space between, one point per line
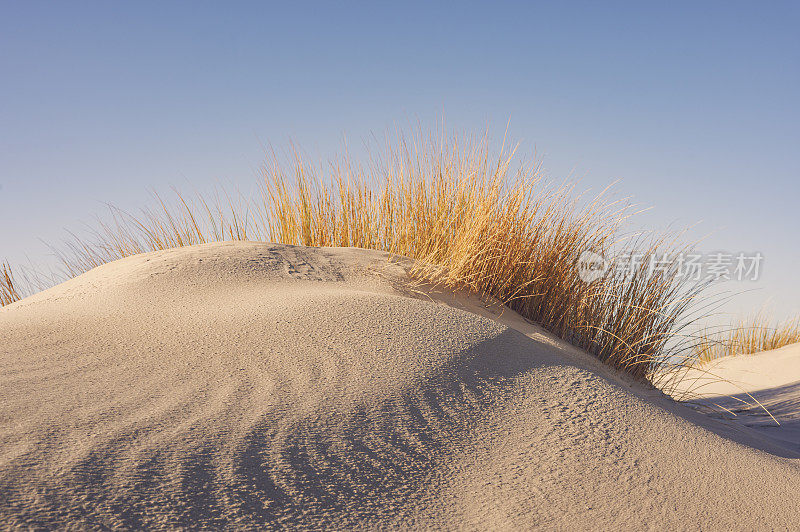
250 385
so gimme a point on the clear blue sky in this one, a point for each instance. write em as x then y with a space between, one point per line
694 106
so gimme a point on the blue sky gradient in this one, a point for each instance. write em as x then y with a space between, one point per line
693 106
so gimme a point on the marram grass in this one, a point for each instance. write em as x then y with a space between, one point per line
470 219
749 336
9 293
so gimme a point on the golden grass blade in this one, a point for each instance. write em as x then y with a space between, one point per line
8 291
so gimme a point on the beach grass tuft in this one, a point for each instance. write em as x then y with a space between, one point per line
9 293
470 218
749 336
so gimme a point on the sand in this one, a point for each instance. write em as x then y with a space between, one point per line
760 391
257 386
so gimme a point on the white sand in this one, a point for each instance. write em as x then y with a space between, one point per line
745 373
257 386
760 391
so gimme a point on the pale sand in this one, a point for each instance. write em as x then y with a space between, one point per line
760 391
256 386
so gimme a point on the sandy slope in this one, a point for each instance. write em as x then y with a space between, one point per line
246 385
760 391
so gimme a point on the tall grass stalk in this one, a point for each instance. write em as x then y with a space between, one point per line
9 293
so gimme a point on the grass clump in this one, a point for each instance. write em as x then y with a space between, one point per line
470 219
751 335
9 293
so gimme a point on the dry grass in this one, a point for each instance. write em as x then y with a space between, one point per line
469 218
749 336
9 293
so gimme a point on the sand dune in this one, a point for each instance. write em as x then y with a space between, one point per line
257 386
760 391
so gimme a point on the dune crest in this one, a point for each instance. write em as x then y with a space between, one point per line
247 385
